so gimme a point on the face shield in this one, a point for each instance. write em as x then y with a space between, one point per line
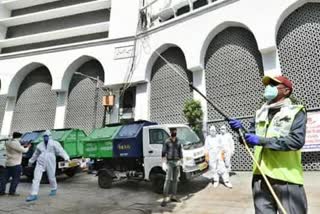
223 129
213 131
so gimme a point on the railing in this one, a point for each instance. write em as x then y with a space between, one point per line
159 11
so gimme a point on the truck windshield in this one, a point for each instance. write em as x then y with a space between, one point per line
188 138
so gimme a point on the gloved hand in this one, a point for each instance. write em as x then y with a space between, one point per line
252 139
30 164
235 124
164 166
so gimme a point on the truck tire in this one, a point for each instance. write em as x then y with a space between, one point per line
104 180
158 182
71 172
183 178
28 172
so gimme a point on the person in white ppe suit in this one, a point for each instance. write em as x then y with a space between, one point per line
215 151
45 155
228 146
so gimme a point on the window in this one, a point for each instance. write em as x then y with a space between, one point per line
158 136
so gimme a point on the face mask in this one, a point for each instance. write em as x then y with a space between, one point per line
270 92
173 134
46 139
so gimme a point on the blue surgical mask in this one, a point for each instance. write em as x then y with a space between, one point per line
270 92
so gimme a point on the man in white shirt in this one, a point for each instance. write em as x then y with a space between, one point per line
14 152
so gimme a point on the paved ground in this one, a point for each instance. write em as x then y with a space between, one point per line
81 194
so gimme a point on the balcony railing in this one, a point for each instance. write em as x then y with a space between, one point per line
56 13
159 11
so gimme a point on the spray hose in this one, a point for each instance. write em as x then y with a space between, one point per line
241 132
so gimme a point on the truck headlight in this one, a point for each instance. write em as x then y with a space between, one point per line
189 161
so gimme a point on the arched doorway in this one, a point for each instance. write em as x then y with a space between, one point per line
233 70
36 103
299 53
81 97
169 91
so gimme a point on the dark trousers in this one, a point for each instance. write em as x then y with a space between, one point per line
292 196
2 179
13 172
172 177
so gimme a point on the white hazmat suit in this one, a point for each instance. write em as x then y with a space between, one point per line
45 155
228 145
216 150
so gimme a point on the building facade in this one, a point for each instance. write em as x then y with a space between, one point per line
59 57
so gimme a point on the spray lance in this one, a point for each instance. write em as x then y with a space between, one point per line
240 131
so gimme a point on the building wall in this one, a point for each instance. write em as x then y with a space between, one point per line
46 6
257 34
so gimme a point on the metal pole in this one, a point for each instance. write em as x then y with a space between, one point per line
104 116
96 94
148 5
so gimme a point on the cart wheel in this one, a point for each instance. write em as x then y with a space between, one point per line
71 172
158 182
104 180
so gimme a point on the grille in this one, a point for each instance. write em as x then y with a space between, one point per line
233 81
81 99
36 103
299 47
199 160
169 91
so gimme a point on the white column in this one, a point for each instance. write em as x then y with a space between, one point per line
61 110
8 116
199 81
114 115
271 64
142 104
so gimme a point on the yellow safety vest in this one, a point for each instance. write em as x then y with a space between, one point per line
280 165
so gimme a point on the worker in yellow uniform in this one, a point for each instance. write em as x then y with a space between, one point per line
278 134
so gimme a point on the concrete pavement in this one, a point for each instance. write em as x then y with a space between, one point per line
81 194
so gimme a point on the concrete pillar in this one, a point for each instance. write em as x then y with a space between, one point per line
199 81
124 11
8 116
62 98
142 104
271 64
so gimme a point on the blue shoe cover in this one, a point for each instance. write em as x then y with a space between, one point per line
32 198
53 192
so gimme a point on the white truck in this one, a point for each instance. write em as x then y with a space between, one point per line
137 154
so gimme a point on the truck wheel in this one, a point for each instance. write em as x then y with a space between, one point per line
71 172
28 172
183 178
104 180
158 182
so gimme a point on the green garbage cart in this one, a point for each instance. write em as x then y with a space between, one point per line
99 144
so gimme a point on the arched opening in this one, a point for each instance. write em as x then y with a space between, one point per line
299 53
36 103
233 70
169 91
82 103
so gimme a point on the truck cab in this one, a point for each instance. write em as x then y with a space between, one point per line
194 163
